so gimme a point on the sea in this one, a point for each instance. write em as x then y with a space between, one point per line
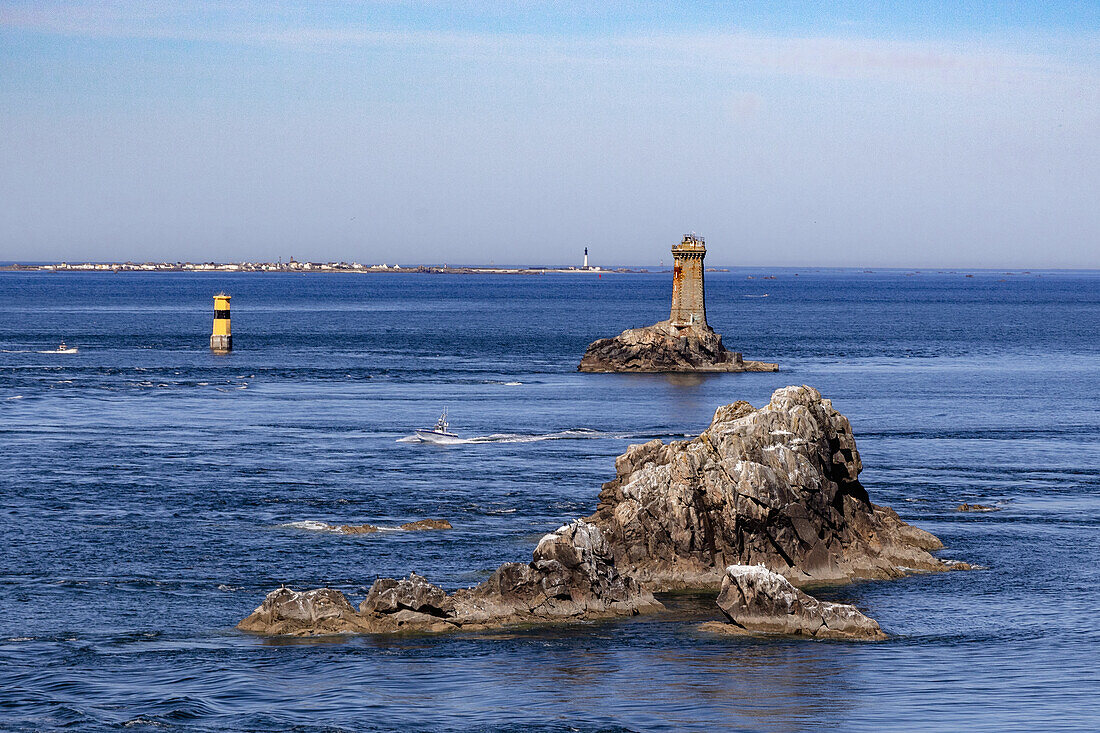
152 492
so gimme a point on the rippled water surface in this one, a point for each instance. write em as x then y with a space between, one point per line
151 493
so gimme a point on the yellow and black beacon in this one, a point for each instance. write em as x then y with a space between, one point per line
221 340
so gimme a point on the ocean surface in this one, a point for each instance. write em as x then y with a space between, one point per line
151 493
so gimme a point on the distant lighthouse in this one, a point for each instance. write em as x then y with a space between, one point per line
221 339
585 258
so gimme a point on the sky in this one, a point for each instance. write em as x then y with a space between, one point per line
851 134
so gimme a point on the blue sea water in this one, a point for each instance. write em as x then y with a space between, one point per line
151 493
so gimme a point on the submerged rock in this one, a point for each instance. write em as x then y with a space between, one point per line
571 577
427 524
664 347
754 599
975 508
777 486
355 529
420 524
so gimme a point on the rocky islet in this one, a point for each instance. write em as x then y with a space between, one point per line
666 347
571 577
776 487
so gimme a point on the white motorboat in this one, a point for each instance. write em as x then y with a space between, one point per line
439 434
62 348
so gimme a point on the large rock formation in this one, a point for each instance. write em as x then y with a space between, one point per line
778 486
754 599
664 347
571 577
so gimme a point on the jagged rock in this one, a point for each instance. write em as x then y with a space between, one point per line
319 611
571 577
664 347
778 486
754 599
413 593
427 524
975 508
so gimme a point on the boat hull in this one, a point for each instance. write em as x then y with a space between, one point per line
433 436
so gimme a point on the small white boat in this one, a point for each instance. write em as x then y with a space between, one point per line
61 349
439 434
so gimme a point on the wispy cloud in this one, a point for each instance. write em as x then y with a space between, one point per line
246 23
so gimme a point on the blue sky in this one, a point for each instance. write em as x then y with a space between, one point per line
928 134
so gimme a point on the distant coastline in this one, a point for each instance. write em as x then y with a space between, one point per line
307 267
293 266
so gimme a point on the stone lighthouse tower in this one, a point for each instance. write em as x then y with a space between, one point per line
688 304
683 343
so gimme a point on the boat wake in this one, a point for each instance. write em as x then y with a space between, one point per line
572 434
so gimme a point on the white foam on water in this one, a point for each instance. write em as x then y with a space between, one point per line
313 525
15 397
310 524
571 434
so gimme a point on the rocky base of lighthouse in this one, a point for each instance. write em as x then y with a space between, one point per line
664 347
221 343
